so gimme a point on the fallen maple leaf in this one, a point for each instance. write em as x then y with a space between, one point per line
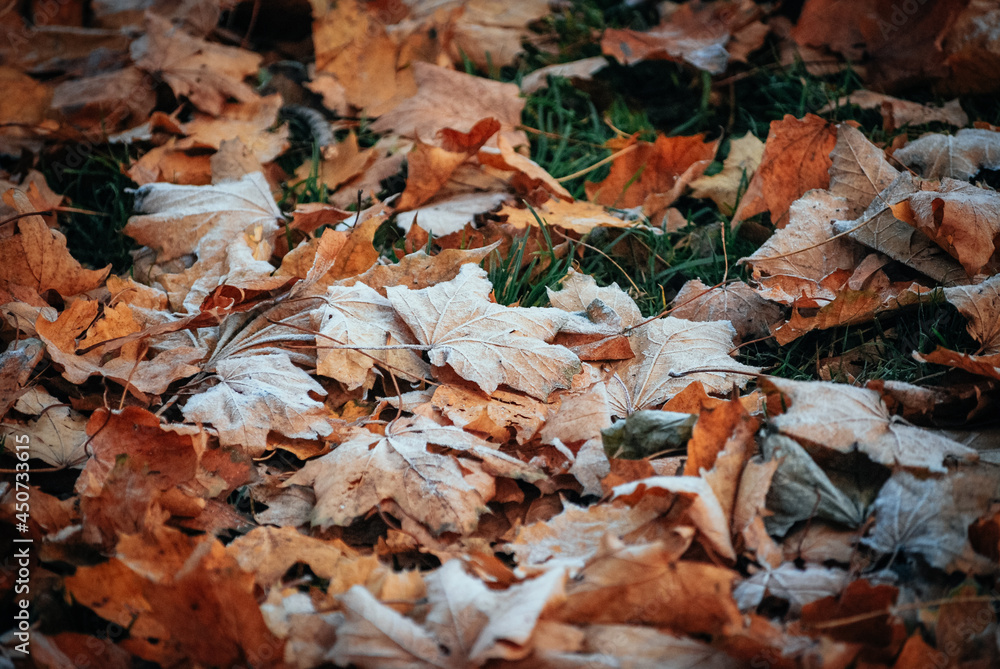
796 159
800 489
798 586
467 624
257 394
959 217
227 226
897 113
931 516
668 353
36 257
653 174
448 99
845 418
735 302
57 435
647 584
357 317
696 34
958 156
207 74
430 487
484 342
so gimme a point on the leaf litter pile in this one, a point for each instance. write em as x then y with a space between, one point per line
353 400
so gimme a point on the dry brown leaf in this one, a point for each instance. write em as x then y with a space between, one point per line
250 122
529 175
582 69
128 366
358 316
646 584
487 32
852 306
844 418
107 101
428 486
897 113
269 552
36 257
899 47
168 589
205 73
448 99
654 174
960 156
796 159
736 302
257 394
430 167
662 347
797 586
341 163
879 229
419 270
467 623
705 512
492 415
696 34
959 217
484 342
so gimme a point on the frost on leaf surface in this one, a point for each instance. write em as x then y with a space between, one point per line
488 344
430 487
258 394
359 316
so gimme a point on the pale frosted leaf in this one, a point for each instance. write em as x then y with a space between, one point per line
579 290
981 305
958 156
736 302
878 229
845 419
796 586
792 263
375 636
672 345
258 394
931 516
860 170
359 316
484 342
476 623
429 486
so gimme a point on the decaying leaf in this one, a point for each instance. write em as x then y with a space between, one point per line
431 487
483 342
844 418
958 156
796 159
257 394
